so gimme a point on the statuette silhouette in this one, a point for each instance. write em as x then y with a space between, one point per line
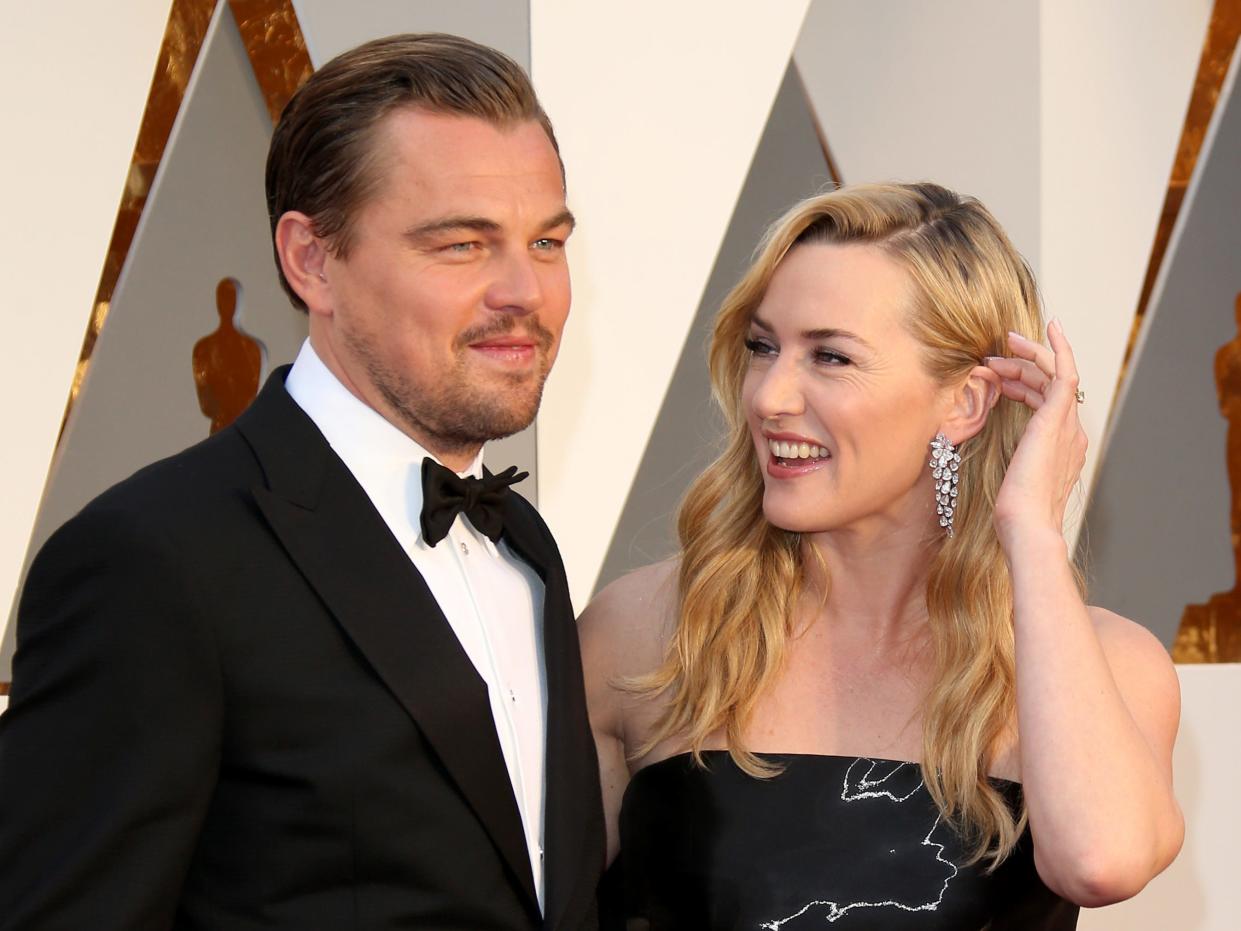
227 363
1211 632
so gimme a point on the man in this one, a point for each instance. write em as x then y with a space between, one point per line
259 685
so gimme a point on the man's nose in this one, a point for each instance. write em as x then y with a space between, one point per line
779 392
516 287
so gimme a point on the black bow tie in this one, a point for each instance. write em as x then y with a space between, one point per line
445 494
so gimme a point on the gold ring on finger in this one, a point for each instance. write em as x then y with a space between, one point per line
1081 396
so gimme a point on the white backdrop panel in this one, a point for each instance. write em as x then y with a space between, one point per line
659 108
75 84
948 92
1116 80
331 27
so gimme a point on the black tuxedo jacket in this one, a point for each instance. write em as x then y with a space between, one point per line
236 705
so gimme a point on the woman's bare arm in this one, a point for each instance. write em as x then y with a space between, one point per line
623 631
1097 696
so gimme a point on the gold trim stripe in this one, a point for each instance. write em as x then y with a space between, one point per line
832 168
276 48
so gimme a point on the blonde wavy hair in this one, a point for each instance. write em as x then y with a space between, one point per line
740 578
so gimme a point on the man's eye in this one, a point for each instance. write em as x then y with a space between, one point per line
758 347
547 244
461 247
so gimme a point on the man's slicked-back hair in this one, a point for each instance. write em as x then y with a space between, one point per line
322 156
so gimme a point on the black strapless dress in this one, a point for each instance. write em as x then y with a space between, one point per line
832 842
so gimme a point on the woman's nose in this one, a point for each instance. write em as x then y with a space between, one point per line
778 392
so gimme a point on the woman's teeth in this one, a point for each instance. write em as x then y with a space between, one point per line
786 450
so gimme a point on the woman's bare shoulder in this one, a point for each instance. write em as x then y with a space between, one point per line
653 585
628 623
1142 670
1130 643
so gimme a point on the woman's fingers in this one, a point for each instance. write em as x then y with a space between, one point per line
1052 372
1065 362
1037 353
1020 370
1021 392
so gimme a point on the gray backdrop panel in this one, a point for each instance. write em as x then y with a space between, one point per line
788 165
1156 535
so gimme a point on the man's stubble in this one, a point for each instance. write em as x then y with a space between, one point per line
456 415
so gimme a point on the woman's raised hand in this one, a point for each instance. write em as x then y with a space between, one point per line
1052 450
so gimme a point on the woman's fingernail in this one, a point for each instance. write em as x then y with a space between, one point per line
1055 321
1018 335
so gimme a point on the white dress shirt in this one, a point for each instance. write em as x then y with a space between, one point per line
492 599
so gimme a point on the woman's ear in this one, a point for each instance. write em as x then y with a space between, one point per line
302 257
971 403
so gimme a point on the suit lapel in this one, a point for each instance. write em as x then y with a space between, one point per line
346 552
572 817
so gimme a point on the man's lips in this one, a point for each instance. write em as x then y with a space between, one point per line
505 347
504 342
507 350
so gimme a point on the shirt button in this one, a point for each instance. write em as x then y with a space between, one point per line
465 549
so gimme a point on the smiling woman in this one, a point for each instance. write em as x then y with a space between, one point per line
872 583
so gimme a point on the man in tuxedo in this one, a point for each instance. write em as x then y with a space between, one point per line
321 671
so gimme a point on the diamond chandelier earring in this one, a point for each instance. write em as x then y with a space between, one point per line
945 461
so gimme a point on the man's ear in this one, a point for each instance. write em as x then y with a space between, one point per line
971 403
302 257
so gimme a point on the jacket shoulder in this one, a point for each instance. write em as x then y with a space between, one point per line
529 513
193 483
216 471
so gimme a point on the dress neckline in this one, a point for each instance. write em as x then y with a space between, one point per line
776 755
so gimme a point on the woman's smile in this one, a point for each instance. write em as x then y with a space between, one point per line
793 455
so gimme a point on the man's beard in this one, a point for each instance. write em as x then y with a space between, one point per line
455 415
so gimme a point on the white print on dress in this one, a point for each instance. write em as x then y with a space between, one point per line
858 786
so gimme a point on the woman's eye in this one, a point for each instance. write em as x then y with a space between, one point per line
828 357
758 347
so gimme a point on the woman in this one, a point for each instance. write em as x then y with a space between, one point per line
868 691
